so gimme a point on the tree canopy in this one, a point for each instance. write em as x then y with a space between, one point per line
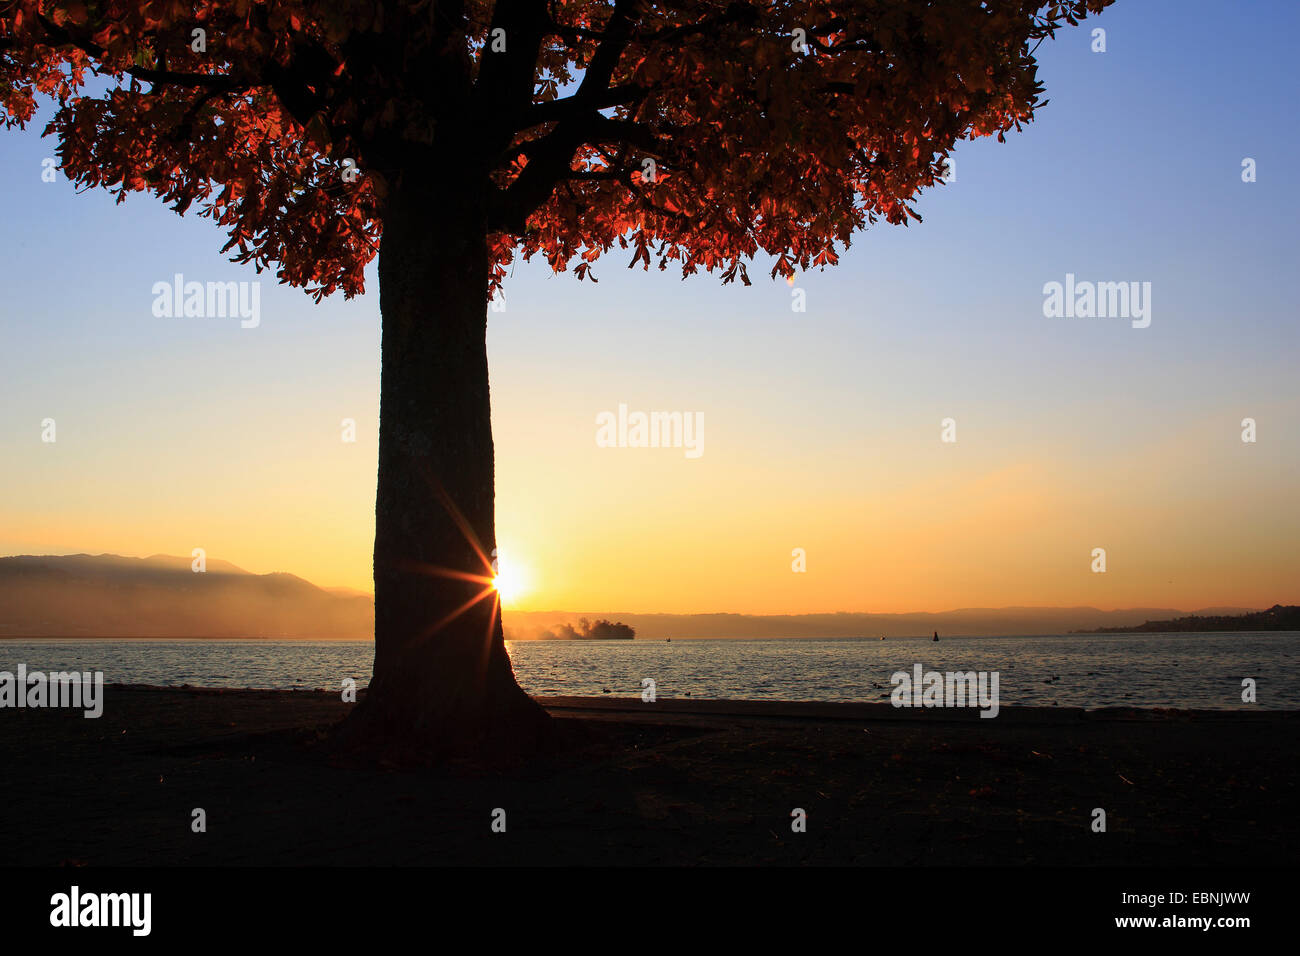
695 134
450 137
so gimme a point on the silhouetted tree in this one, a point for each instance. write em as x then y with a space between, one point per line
604 630
695 134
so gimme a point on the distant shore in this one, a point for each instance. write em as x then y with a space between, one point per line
681 782
1276 618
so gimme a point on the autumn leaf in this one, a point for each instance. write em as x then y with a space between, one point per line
758 150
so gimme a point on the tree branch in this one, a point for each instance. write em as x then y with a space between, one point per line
550 157
504 88
218 82
627 94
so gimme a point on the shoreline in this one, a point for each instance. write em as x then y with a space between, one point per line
777 709
781 708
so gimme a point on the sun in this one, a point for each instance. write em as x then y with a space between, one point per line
511 580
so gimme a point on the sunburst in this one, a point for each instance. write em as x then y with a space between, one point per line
486 578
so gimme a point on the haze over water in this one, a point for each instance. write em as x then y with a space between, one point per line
1139 670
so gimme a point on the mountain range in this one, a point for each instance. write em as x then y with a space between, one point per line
107 595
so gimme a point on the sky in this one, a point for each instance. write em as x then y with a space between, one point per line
822 429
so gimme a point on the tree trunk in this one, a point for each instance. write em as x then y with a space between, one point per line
442 679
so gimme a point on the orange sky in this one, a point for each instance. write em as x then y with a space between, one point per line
971 524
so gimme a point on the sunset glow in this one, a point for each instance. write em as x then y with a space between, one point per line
512 580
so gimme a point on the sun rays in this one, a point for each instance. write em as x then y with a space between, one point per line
486 578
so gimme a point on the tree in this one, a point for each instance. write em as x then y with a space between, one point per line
694 133
604 630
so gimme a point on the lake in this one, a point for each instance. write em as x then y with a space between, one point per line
1142 670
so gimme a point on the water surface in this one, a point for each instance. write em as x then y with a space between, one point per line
1141 670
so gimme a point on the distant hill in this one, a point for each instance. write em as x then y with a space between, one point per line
1276 618
974 622
107 595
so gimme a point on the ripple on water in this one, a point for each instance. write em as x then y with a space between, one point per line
1156 670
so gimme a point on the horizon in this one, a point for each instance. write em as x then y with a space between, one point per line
181 559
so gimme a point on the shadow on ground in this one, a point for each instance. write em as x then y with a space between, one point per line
696 784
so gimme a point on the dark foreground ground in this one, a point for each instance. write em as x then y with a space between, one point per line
670 783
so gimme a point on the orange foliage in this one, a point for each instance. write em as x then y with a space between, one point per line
775 127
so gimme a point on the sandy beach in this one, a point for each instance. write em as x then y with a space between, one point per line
676 782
